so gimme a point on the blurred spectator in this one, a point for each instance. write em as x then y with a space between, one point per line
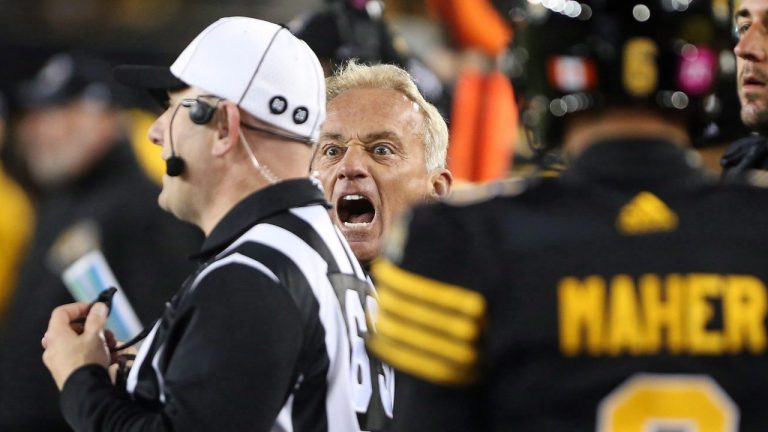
72 139
750 153
356 29
344 29
726 127
15 225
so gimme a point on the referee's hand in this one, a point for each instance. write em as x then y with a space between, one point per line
66 350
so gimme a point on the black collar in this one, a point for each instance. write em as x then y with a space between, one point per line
257 207
636 161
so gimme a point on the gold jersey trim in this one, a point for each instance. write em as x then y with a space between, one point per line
425 327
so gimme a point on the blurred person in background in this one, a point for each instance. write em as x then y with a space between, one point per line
91 194
751 152
382 149
341 30
16 222
628 294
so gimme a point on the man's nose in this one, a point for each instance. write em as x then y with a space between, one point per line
751 45
353 164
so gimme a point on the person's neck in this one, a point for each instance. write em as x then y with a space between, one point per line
622 123
225 198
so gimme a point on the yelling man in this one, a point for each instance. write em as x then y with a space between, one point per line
382 149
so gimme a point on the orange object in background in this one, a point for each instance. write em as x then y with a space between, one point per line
474 24
496 129
484 114
464 116
483 127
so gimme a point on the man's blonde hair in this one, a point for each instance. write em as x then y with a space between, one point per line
354 75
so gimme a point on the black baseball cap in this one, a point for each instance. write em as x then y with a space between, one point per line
67 76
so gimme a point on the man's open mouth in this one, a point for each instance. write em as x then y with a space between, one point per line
355 210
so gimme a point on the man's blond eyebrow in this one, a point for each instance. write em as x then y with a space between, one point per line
332 137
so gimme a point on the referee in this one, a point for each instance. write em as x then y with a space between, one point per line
255 339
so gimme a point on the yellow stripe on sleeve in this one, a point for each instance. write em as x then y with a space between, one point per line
428 290
437 344
452 323
425 327
417 364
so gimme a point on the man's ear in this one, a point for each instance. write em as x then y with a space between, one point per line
441 180
227 128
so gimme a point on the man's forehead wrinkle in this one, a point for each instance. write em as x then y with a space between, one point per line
373 136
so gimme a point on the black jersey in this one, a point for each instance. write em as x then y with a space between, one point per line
627 295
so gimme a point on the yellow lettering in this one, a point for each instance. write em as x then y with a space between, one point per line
662 314
581 314
623 333
697 314
744 310
701 287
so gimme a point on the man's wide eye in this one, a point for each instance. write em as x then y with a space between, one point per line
382 150
331 151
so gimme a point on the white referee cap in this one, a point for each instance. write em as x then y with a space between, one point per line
260 66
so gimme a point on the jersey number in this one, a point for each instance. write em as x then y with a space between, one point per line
653 403
641 73
362 388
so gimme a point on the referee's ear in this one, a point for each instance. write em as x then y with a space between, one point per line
227 128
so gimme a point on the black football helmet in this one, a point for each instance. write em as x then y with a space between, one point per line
571 56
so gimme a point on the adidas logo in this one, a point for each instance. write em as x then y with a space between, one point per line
645 214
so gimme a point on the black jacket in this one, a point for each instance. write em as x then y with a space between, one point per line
748 153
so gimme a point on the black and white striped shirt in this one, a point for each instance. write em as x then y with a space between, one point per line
257 339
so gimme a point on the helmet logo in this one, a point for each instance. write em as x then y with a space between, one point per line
640 70
571 74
